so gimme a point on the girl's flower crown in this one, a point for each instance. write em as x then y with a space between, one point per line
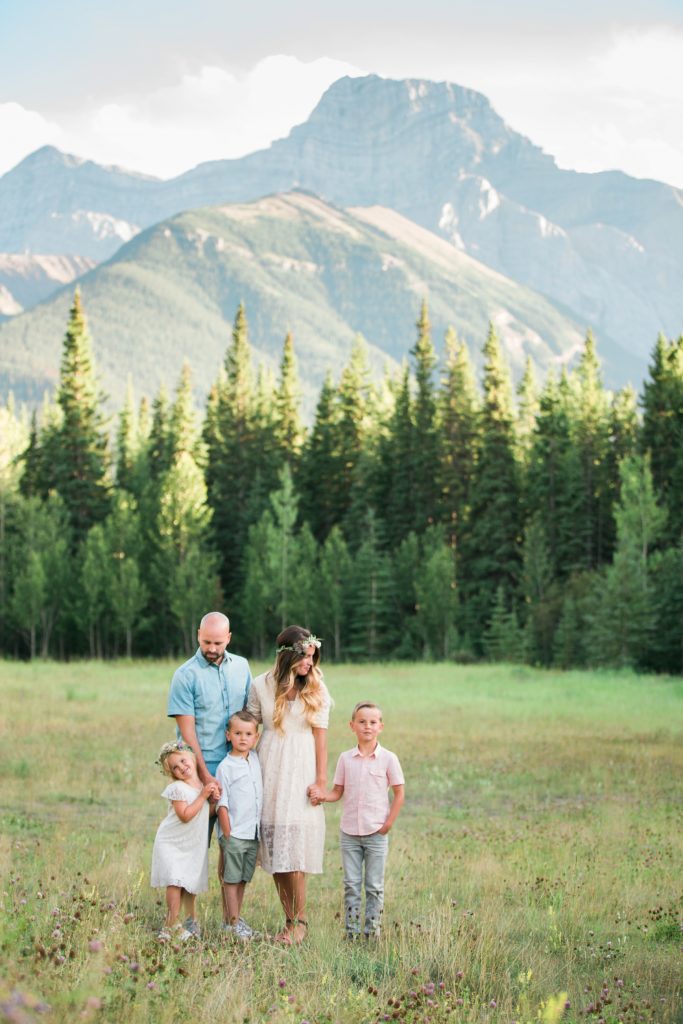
300 646
174 747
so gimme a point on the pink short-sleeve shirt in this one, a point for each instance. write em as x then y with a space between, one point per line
366 782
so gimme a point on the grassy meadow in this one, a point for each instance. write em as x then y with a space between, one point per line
534 873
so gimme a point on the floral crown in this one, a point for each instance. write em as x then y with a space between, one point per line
174 747
300 646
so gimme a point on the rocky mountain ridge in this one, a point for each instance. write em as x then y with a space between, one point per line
298 264
605 248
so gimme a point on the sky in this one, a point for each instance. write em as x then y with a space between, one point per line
158 87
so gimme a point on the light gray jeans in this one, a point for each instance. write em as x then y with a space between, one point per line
357 851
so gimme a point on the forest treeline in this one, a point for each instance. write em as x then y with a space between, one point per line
427 515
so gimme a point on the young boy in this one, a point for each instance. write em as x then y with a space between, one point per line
363 777
239 817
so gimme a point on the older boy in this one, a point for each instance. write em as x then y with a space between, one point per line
364 776
239 817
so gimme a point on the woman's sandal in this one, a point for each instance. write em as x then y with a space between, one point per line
290 936
298 937
285 936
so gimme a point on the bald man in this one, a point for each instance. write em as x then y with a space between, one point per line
212 685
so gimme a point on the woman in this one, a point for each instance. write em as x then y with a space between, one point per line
293 703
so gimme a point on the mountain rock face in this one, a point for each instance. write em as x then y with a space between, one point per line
26 280
297 263
604 247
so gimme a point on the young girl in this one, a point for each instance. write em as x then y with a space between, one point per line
180 855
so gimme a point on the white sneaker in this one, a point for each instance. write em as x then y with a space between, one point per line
192 926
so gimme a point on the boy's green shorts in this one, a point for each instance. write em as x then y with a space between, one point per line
239 859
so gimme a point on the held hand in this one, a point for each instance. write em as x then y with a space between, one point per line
209 790
316 794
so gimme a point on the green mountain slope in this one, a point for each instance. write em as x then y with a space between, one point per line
298 264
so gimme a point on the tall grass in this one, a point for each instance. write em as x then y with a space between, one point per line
534 874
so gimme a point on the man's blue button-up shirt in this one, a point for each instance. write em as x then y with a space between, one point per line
210 693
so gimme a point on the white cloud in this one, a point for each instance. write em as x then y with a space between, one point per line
645 64
208 115
22 131
594 103
611 103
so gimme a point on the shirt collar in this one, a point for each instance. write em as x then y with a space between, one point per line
357 753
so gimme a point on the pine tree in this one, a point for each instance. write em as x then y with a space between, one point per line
491 553
80 466
527 411
662 430
256 603
185 564
553 478
94 587
397 496
543 602
159 455
288 427
13 442
591 436
41 571
353 424
664 652
128 593
333 588
406 561
624 613
303 605
459 438
503 640
182 424
372 628
320 467
425 447
623 443
229 435
436 593
127 444
282 557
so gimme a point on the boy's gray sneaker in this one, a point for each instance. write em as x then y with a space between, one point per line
243 931
254 934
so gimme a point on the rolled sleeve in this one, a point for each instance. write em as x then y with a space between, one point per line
394 772
181 696
225 786
340 772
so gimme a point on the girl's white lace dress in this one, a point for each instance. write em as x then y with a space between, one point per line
292 829
181 850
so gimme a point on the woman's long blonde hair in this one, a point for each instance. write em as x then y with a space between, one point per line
292 644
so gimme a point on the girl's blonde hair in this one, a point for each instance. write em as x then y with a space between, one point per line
292 644
174 747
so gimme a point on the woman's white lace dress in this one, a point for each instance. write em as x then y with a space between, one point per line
181 850
292 829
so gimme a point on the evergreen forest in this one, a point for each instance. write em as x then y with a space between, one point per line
428 515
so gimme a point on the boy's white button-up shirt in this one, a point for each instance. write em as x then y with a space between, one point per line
242 794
